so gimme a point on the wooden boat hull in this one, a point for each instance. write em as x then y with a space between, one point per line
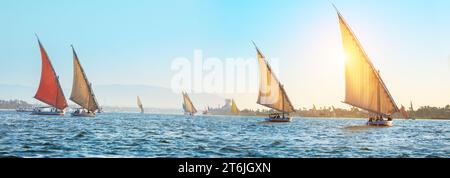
383 123
286 119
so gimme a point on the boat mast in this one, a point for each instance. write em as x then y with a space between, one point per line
89 99
282 101
57 93
378 98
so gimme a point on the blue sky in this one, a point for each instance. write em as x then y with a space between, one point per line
134 42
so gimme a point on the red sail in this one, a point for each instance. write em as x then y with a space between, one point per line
50 91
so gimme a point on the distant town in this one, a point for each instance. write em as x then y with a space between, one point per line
423 112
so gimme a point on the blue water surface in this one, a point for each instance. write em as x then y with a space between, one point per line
178 136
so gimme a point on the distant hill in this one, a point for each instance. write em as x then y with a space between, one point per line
122 96
13 104
151 96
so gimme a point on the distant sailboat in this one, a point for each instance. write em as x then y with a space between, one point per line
333 111
82 93
403 112
314 110
364 87
206 111
49 90
272 93
188 107
100 110
413 114
234 108
139 103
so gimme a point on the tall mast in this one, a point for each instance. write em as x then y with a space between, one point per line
378 98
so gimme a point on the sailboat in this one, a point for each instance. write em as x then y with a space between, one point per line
234 108
365 88
272 93
82 93
49 90
188 107
403 112
139 103
314 110
206 111
412 112
333 112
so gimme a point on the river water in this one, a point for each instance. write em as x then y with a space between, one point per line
177 136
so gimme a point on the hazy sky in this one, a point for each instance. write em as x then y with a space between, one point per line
135 42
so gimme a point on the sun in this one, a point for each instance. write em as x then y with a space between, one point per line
342 57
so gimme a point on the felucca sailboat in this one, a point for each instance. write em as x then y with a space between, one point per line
188 107
82 93
404 112
272 93
413 114
139 103
49 90
234 108
364 87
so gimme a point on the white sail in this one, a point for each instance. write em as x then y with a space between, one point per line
139 103
364 87
271 92
82 93
187 104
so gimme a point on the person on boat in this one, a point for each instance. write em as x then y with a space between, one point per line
389 118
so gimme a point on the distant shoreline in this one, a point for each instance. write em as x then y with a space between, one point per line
328 117
313 117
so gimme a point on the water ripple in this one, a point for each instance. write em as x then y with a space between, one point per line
137 135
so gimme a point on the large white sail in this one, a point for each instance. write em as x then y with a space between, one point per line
139 103
187 104
271 92
364 87
82 93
